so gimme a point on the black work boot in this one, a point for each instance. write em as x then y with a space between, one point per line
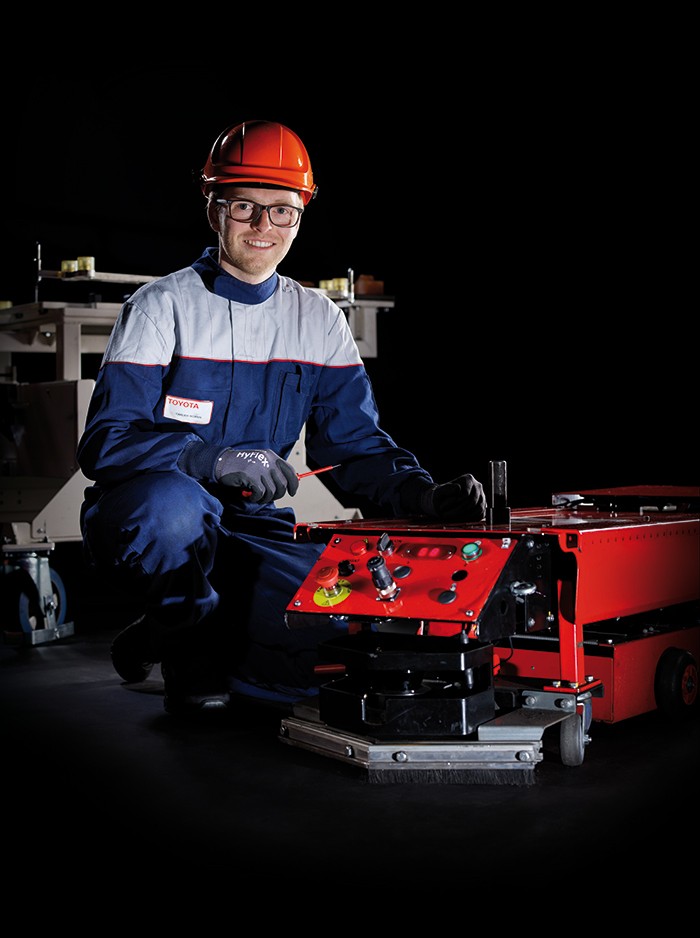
131 652
194 686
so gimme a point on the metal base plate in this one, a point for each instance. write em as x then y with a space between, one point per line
39 636
506 761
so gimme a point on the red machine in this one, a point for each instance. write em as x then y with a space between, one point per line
461 648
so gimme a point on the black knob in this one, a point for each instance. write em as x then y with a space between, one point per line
381 577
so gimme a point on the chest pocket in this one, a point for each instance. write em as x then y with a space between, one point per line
295 390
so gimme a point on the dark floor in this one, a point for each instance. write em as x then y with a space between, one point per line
93 767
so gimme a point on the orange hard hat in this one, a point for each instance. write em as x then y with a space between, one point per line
262 152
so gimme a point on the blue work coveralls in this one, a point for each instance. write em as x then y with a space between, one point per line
199 361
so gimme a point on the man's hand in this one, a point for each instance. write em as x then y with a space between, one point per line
463 499
259 471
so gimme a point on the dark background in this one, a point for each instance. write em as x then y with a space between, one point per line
526 226
524 194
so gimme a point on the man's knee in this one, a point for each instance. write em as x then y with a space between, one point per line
168 509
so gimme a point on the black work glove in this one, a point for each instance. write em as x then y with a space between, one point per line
260 472
462 499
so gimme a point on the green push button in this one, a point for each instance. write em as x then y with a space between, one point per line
471 551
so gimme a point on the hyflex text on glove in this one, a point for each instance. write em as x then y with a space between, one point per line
259 471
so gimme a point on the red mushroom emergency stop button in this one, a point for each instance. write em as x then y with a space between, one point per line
327 577
331 590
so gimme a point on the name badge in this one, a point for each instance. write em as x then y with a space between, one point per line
182 408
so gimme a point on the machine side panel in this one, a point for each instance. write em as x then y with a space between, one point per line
634 569
627 670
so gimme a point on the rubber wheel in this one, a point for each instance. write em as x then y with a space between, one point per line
21 603
676 684
573 736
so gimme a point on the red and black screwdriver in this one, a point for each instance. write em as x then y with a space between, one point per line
246 493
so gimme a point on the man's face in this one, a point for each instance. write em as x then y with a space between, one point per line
251 250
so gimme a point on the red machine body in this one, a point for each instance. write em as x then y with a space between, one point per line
590 606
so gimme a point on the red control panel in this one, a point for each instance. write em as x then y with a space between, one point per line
438 579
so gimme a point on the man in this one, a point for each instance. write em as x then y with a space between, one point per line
208 379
